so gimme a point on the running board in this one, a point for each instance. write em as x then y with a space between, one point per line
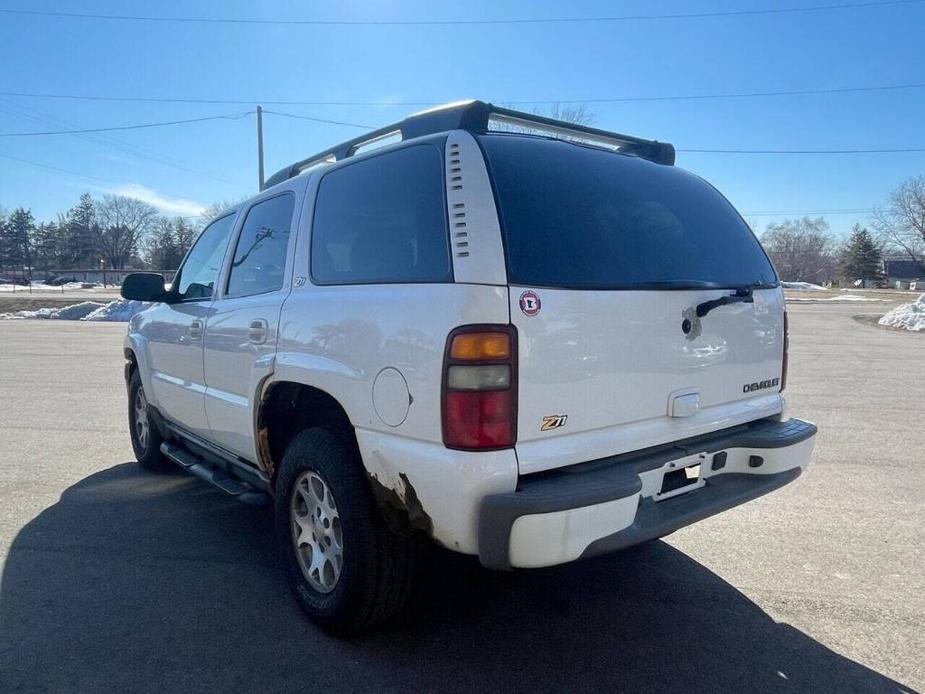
214 475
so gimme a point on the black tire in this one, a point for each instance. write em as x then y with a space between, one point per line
377 563
147 452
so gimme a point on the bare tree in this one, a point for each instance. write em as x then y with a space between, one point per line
216 208
578 114
901 223
803 250
121 225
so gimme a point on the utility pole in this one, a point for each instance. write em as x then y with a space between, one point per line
260 147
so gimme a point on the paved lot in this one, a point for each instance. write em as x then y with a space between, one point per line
118 580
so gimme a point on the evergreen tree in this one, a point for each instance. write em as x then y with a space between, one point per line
47 245
5 259
860 258
184 233
16 242
78 245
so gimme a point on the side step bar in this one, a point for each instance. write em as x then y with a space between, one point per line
214 475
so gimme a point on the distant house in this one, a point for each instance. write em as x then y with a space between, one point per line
899 273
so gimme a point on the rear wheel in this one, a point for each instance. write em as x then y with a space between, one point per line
146 440
346 567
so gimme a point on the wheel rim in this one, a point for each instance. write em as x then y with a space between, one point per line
141 419
317 535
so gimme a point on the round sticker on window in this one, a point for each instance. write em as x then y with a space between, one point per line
529 303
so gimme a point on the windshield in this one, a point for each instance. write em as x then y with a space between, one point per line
581 217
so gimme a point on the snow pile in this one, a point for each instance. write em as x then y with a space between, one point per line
72 312
802 285
843 298
119 310
908 316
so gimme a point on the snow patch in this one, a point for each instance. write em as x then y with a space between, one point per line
72 312
844 298
907 316
802 285
119 310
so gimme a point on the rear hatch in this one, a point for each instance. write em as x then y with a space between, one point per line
609 257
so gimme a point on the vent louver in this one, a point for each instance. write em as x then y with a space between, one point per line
458 221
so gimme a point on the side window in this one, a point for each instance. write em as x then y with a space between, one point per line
196 278
383 219
260 254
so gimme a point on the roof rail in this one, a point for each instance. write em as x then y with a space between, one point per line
475 116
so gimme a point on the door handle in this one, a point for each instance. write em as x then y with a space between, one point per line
257 332
195 329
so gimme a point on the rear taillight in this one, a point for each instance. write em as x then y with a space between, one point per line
480 388
783 371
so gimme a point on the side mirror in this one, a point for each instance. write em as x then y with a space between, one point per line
144 286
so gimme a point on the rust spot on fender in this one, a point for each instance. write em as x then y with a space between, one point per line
263 450
264 454
403 510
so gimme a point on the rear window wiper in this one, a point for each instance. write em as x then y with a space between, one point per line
743 295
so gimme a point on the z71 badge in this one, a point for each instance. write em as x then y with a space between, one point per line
553 421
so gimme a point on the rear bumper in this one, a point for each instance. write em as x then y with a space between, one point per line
608 504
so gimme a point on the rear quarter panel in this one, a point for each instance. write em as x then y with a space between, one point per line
339 338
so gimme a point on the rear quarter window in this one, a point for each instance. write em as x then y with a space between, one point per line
580 217
383 220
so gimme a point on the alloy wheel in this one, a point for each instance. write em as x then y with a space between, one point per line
317 535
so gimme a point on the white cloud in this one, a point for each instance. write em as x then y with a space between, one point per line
390 101
175 206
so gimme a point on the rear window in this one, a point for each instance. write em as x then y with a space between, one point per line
581 217
383 220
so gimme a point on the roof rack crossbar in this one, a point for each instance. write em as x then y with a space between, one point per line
476 116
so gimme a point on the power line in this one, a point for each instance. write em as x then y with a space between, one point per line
57 168
232 116
236 116
42 118
531 102
87 176
898 150
320 120
783 213
460 22
728 95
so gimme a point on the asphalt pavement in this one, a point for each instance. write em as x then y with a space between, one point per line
116 579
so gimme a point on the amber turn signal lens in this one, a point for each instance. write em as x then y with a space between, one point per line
475 346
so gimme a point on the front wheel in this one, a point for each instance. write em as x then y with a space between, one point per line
347 568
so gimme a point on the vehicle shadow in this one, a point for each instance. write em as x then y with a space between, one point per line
141 582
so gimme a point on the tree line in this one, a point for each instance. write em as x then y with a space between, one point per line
805 249
115 232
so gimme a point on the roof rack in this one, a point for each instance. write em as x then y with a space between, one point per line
475 117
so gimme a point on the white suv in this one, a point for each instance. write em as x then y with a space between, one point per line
532 344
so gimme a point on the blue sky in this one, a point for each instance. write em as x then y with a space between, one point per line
184 167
